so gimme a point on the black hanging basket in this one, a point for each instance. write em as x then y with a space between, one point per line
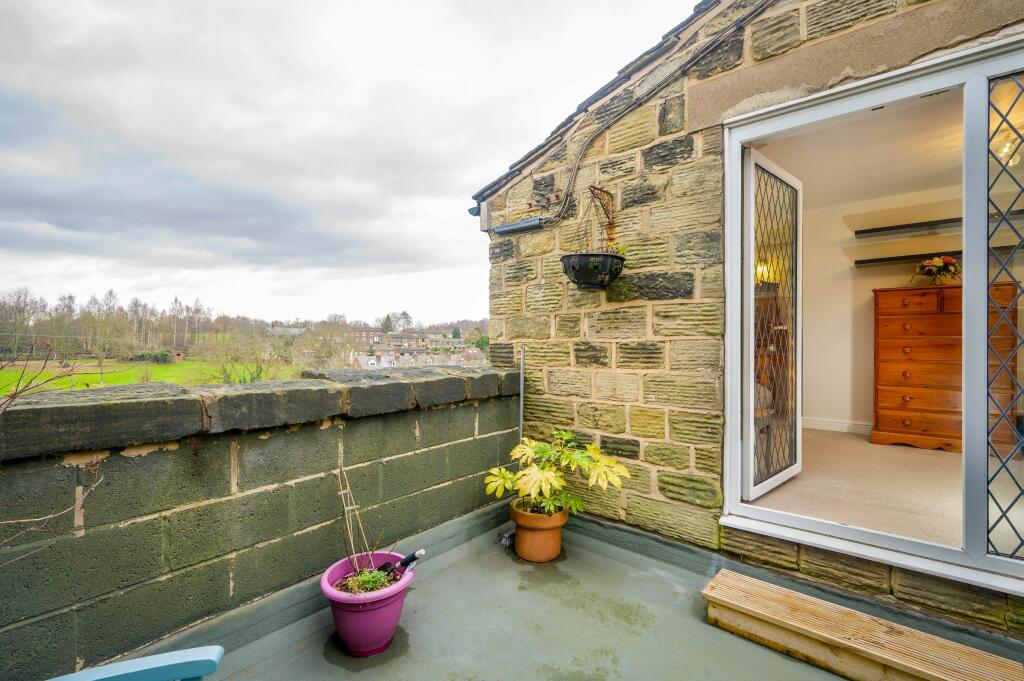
592 270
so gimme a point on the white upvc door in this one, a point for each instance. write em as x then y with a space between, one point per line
772 367
986 558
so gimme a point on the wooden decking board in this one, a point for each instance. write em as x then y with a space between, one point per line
837 635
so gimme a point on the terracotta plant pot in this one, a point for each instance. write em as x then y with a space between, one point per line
538 535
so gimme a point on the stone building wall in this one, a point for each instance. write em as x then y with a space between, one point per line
639 367
214 496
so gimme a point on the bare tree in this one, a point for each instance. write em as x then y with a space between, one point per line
19 309
33 374
403 321
31 377
177 310
327 344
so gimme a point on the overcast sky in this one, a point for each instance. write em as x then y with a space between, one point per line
283 159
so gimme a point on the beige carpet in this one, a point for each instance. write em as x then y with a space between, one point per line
899 490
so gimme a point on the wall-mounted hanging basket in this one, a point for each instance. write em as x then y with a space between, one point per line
595 268
592 270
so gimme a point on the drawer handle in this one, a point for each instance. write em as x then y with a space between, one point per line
907 398
906 326
906 374
906 349
906 422
906 302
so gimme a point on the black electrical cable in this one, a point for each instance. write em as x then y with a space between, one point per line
739 24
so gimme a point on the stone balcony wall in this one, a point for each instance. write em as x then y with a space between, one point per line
214 496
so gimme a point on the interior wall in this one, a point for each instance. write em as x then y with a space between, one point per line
838 301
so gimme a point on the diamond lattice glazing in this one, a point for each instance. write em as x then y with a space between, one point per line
775 276
1005 269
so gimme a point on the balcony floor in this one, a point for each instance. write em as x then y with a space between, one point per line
477 613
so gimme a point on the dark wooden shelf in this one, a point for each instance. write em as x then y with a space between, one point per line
893 259
909 227
913 257
926 225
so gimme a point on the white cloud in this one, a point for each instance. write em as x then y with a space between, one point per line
364 126
57 159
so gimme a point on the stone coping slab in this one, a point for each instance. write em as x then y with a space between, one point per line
119 416
246 406
98 418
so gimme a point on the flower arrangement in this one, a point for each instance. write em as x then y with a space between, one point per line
543 466
938 269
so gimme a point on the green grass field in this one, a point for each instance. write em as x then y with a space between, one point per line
86 375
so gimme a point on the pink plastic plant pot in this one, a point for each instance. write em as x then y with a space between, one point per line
366 623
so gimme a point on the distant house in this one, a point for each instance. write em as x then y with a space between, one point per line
418 357
472 356
286 330
369 336
177 356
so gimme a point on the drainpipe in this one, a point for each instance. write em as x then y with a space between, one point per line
522 386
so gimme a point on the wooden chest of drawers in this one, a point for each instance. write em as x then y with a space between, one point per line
918 366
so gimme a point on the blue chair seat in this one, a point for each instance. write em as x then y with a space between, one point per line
182 665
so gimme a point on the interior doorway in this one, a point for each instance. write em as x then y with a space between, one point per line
854 365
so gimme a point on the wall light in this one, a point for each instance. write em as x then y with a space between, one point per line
1007 148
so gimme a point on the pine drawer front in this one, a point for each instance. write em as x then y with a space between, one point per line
920 422
1001 348
939 374
999 401
931 325
903 301
1002 293
911 326
947 349
929 399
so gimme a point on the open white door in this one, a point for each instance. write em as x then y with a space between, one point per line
772 367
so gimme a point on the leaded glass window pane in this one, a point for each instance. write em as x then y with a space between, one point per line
1005 272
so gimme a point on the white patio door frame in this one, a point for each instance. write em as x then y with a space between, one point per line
751 489
971 70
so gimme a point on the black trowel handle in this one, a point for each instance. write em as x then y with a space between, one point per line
411 558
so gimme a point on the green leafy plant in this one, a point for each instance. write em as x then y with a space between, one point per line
616 249
365 580
543 469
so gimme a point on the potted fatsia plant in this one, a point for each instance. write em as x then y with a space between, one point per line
543 503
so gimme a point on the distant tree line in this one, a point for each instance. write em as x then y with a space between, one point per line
99 328
105 328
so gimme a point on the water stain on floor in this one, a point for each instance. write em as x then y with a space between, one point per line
571 592
335 654
596 664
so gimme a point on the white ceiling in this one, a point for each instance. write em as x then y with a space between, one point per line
908 146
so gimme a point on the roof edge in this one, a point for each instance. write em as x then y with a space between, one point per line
624 75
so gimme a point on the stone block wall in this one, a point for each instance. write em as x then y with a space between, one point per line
212 497
932 595
638 367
